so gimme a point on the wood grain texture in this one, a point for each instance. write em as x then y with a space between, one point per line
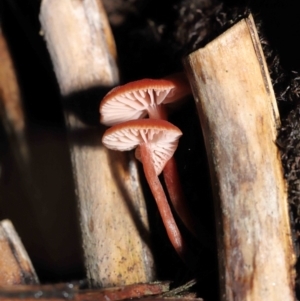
80 42
239 118
15 265
114 222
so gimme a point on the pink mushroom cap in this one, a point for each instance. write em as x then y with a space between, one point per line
135 99
160 135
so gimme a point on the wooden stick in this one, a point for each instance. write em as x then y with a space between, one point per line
15 264
71 291
239 117
112 207
11 109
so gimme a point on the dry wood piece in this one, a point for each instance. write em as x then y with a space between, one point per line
239 117
125 292
80 43
112 207
11 110
71 291
15 265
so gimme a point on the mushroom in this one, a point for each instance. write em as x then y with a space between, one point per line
136 100
155 142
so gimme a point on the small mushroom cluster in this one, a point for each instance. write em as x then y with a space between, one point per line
154 138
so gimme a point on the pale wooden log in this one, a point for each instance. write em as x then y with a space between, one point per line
15 264
113 213
239 118
80 43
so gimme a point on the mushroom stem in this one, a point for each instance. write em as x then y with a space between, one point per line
173 184
161 201
157 112
172 180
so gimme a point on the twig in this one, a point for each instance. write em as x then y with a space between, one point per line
11 109
71 291
15 265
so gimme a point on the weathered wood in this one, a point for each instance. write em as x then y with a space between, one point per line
15 264
158 291
112 208
11 109
239 118
80 43
71 291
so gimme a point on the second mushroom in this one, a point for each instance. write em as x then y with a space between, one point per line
155 142
136 100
